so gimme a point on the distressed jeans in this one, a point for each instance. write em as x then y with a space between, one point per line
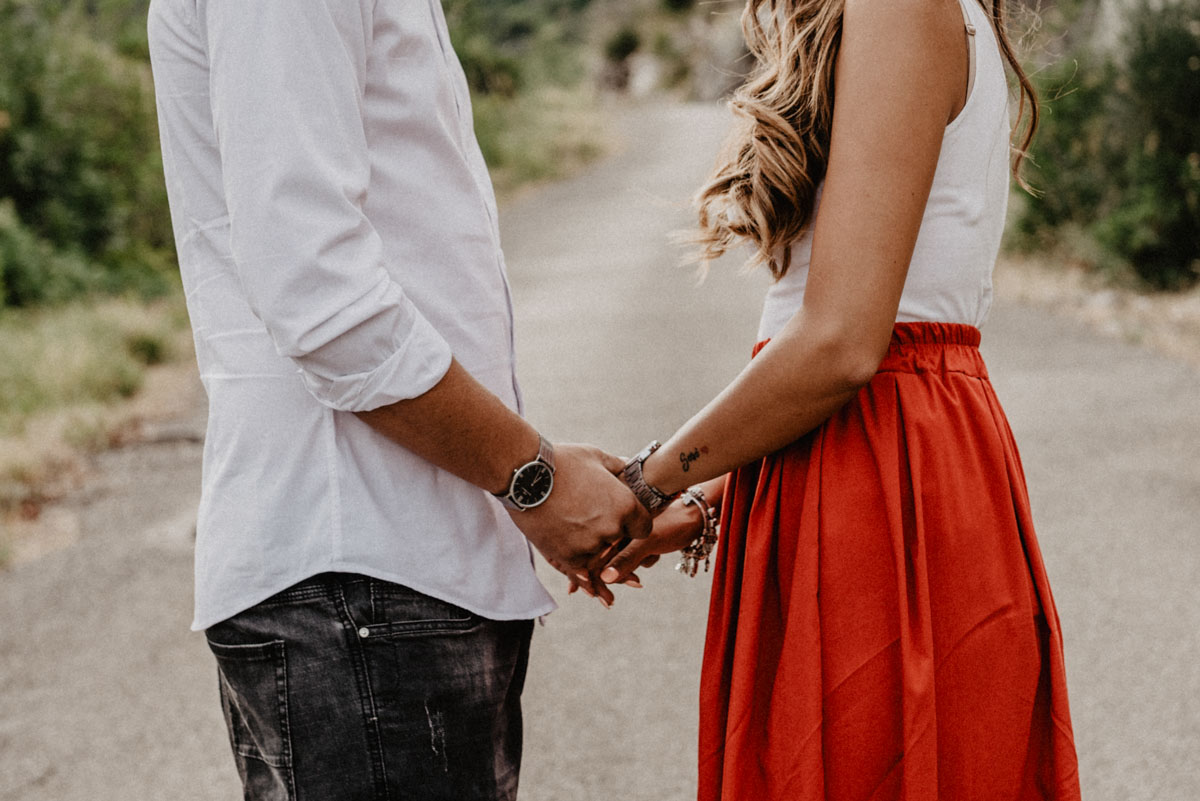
346 687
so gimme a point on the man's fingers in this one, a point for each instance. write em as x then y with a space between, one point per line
650 560
602 591
637 523
613 464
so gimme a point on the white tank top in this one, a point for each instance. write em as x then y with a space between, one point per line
950 275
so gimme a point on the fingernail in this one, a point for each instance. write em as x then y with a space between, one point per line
604 602
571 589
609 575
633 583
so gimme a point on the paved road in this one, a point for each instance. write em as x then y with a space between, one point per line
105 695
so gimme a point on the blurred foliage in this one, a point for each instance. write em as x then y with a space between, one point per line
679 6
80 353
506 46
1118 154
118 23
32 271
83 203
525 61
536 136
622 44
693 50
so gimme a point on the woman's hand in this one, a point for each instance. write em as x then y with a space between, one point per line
673 530
676 527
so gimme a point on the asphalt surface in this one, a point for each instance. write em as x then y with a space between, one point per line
104 694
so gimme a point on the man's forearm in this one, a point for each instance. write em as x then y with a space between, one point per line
462 428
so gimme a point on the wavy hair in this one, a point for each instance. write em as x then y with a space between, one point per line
763 189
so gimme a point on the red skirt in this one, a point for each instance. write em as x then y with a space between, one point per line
881 623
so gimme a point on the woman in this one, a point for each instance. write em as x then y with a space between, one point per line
881 624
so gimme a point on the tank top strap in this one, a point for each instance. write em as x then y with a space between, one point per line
971 30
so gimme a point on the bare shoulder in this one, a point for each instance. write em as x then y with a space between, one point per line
904 39
904 23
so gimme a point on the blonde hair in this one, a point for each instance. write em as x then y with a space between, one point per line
763 189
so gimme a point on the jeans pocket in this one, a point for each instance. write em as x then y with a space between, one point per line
253 683
397 611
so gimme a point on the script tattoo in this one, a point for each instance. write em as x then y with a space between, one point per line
687 457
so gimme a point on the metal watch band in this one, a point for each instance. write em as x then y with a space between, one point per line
650 497
545 452
545 456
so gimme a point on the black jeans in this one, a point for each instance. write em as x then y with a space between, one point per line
345 687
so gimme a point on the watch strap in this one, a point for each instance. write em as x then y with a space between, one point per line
650 497
545 453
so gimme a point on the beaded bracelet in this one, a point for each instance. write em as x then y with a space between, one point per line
702 546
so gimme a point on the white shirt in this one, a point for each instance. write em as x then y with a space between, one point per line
337 238
950 276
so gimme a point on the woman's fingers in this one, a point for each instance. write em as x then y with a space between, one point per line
624 563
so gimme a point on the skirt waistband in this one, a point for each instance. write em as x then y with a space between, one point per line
934 348
931 348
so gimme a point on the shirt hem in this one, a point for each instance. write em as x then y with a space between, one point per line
201 622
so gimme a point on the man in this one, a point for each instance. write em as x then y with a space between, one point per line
368 601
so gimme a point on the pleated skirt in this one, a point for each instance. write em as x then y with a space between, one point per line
881 624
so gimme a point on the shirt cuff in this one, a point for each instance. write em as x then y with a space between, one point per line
420 362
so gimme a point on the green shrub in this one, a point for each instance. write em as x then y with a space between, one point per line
148 347
1157 223
679 6
1118 154
622 44
489 70
509 47
32 271
518 56
79 155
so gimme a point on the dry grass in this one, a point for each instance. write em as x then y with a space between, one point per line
538 137
1164 321
75 380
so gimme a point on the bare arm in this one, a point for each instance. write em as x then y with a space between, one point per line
900 78
462 428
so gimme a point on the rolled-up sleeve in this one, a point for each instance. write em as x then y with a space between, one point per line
287 83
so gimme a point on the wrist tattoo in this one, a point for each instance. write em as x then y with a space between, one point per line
687 457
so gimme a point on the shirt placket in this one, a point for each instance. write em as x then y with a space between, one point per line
466 132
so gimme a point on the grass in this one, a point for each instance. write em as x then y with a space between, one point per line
67 376
80 354
537 136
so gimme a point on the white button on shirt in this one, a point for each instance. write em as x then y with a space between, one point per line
337 238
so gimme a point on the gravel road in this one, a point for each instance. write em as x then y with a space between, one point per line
105 695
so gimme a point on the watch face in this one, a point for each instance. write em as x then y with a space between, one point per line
532 484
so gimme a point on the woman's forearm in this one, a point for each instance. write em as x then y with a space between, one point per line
794 384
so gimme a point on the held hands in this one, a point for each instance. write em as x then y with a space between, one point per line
588 511
674 529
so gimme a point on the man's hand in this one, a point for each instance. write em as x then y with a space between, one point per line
588 510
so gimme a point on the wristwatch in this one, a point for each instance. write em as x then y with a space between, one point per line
531 482
631 474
